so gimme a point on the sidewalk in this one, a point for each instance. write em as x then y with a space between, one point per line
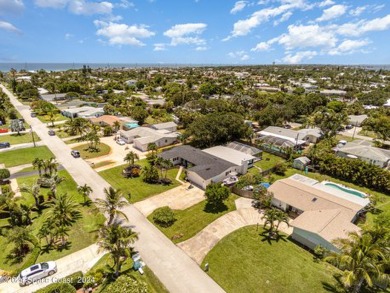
81 260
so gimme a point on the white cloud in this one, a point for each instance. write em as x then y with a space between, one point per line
80 7
238 6
332 12
284 18
326 3
123 34
9 27
358 10
263 46
299 56
13 7
159 47
201 48
377 24
242 55
348 47
126 4
301 36
52 3
186 34
245 26
68 36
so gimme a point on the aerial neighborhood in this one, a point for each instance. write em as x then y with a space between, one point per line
176 179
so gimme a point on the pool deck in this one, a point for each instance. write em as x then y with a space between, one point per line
363 201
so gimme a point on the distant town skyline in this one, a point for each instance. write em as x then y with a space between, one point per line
195 31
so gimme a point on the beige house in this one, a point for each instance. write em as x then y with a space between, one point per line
325 211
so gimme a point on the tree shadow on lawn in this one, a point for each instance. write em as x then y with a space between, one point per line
215 209
270 237
335 287
46 249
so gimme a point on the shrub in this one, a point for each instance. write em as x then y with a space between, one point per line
75 279
280 169
58 287
31 259
126 284
164 216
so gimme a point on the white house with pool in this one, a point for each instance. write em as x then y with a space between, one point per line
323 211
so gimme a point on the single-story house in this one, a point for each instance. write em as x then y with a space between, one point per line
238 158
105 120
301 163
324 213
333 92
297 137
202 167
356 120
53 97
363 150
131 82
170 126
83 112
141 137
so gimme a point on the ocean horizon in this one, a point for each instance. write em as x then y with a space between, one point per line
5 67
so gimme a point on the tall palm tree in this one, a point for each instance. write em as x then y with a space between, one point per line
50 166
63 213
116 125
21 238
117 240
361 259
85 190
55 181
112 203
38 164
35 191
131 157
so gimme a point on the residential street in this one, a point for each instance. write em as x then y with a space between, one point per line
177 271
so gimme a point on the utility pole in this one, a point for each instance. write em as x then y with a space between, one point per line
354 130
32 134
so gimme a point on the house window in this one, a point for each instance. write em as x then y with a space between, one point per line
166 140
227 173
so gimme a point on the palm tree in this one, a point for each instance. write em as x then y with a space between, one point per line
361 259
21 238
112 203
117 240
38 164
55 181
271 216
50 166
131 157
35 191
117 125
63 213
85 190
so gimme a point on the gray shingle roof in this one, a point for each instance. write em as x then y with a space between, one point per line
205 165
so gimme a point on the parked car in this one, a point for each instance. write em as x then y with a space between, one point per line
349 126
51 132
75 154
36 272
120 142
33 114
4 145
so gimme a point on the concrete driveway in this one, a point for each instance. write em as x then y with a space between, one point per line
178 272
178 198
116 155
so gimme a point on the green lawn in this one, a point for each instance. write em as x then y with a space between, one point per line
85 154
138 189
102 163
24 156
154 284
193 219
57 117
383 205
268 161
81 235
343 137
368 133
244 262
17 139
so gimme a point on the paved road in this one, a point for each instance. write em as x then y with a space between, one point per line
177 271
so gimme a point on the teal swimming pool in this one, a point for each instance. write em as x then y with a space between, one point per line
131 125
346 189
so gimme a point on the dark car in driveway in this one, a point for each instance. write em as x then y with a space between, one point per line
4 145
51 132
75 154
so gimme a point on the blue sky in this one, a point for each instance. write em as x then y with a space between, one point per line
195 31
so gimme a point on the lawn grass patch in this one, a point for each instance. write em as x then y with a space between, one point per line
104 149
193 219
24 156
57 117
267 161
138 189
154 284
82 233
18 139
102 163
243 262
